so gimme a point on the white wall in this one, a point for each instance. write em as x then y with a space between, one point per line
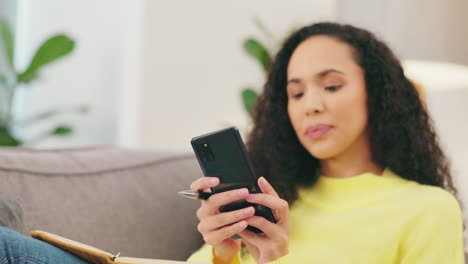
416 29
8 11
195 68
96 73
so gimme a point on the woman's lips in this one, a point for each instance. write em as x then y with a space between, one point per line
317 131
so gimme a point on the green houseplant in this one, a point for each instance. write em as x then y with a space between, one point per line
12 80
258 51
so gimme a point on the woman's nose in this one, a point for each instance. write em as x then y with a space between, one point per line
313 104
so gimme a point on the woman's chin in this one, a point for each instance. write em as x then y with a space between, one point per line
322 153
322 149
323 156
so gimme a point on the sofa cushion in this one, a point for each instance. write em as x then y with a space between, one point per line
11 213
116 199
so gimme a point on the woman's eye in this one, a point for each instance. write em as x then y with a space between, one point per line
332 88
298 95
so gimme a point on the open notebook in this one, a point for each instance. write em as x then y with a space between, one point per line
92 254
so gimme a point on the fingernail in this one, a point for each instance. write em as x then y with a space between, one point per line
251 197
260 181
242 224
242 192
214 181
248 211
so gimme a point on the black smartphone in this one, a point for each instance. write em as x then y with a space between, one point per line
222 154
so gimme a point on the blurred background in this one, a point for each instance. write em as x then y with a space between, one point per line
154 74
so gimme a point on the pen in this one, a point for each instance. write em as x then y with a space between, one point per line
195 195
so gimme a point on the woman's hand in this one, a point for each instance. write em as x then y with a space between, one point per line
216 227
273 243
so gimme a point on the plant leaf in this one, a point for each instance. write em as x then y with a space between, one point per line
51 50
8 42
249 98
80 109
41 116
265 30
6 139
62 130
256 49
3 79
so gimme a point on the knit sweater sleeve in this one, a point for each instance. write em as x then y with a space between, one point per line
435 234
205 255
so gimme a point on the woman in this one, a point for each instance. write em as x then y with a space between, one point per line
352 166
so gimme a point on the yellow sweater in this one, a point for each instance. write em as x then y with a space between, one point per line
368 219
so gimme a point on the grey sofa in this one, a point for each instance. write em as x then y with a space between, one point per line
119 200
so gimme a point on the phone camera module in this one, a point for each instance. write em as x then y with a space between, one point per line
205 152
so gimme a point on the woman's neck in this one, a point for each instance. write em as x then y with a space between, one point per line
354 161
336 168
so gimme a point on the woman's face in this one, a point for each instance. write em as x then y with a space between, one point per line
326 97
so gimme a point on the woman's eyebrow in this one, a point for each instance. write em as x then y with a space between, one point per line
318 75
328 71
294 80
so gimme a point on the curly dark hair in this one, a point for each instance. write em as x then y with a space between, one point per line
401 133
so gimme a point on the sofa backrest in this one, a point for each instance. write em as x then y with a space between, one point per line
119 200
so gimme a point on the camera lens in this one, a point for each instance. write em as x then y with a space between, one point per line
205 152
